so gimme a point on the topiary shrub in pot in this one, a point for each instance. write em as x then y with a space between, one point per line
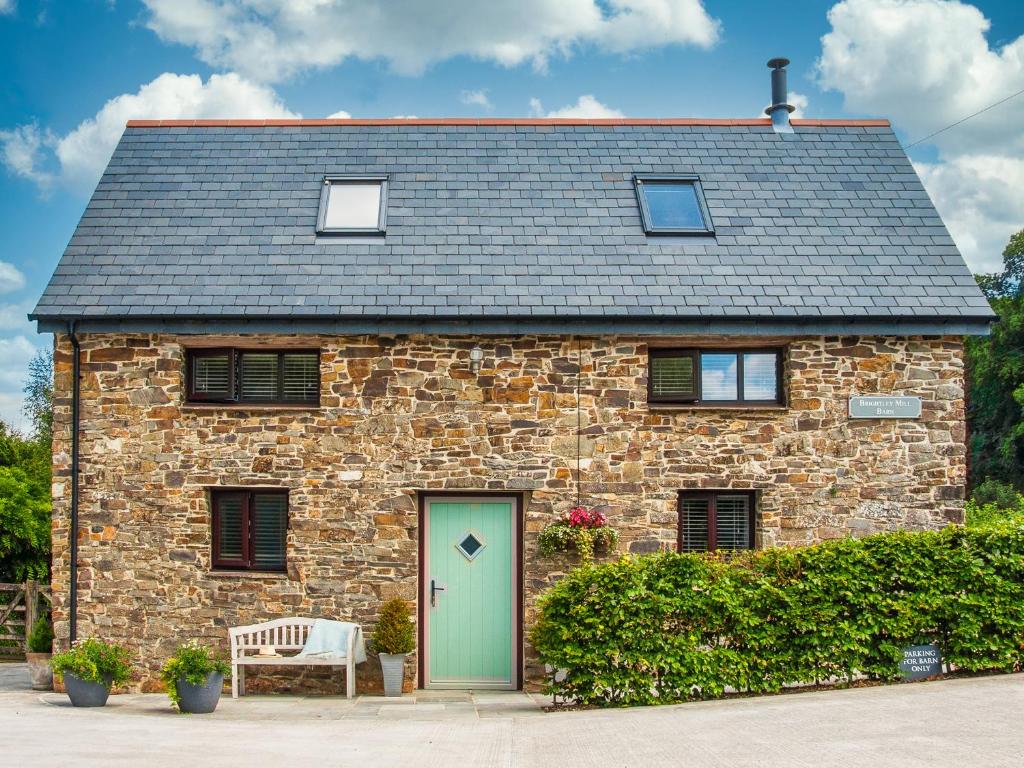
89 669
393 639
40 650
194 677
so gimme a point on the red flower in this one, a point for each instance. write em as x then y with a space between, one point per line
581 517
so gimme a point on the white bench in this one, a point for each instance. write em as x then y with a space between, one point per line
285 635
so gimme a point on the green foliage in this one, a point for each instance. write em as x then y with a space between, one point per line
94 661
24 527
40 639
39 396
991 491
24 507
395 631
1002 508
192 663
672 627
995 372
563 537
1010 281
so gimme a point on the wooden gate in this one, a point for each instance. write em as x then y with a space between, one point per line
20 606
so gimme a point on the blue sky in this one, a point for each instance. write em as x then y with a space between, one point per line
74 71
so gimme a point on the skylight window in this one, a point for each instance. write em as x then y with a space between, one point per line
353 205
673 205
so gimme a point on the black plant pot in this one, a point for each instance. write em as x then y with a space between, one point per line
85 693
200 699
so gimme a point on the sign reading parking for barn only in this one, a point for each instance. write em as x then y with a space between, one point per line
921 661
879 407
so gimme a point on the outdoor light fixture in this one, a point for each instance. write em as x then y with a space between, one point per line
476 356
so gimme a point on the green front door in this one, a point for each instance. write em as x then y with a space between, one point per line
469 589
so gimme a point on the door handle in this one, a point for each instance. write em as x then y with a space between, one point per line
434 589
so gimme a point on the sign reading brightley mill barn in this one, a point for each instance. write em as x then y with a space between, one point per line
884 407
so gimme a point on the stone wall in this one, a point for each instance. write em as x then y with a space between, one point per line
404 414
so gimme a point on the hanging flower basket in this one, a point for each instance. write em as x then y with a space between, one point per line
582 530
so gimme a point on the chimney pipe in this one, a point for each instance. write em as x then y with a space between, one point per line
779 110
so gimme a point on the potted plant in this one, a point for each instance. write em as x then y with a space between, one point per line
194 677
40 648
585 530
392 641
89 669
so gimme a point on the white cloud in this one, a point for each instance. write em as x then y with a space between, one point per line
11 278
799 101
272 40
6 7
24 149
796 100
586 106
82 154
476 98
18 344
926 64
15 351
341 114
981 198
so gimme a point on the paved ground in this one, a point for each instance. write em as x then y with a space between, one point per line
970 722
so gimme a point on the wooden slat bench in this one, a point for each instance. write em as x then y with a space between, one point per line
285 635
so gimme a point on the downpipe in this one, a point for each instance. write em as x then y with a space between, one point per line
76 374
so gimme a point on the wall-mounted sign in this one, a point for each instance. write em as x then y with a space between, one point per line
921 661
885 407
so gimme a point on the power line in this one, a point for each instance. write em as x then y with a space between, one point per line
964 120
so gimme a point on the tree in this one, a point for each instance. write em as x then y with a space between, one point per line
24 527
995 371
1009 282
39 395
25 470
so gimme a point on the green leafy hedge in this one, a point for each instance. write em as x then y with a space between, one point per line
673 627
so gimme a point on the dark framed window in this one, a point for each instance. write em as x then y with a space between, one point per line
353 205
673 205
288 377
249 529
715 376
716 520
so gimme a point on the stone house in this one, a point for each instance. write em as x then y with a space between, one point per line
315 364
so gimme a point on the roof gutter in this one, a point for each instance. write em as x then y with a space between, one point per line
448 325
76 390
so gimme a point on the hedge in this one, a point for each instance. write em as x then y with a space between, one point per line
674 627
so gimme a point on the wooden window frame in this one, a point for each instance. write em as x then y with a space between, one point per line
711 496
661 352
235 355
190 357
698 353
382 212
690 179
248 560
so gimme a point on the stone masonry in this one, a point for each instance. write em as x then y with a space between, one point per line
403 414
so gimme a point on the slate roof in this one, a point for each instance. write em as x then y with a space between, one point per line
512 220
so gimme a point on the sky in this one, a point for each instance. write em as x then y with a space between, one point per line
75 70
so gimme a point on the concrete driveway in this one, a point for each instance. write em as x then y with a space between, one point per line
970 722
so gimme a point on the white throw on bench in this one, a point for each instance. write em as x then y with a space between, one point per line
286 635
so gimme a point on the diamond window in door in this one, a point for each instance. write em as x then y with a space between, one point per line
469 545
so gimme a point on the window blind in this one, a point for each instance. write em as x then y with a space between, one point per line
231 527
693 522
732 522
255 376
301 377
211 376
270 523
673 377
